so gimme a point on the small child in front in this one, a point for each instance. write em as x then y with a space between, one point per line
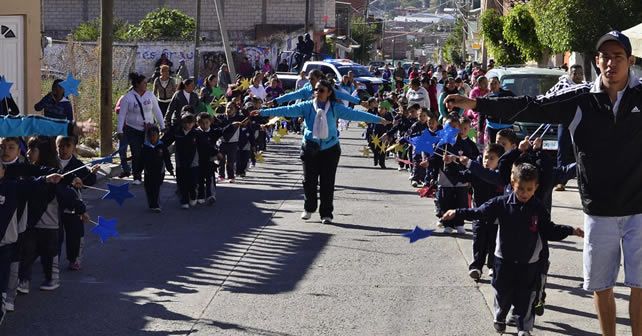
524 227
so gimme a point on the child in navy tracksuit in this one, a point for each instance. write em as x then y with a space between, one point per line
379 130
187 140
207 153
524 226
452 191
13 195
72 228
231 123
484 234
246 145
155 159
401 124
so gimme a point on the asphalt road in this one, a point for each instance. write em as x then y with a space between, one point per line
250 266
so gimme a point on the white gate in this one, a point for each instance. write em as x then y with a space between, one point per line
12 56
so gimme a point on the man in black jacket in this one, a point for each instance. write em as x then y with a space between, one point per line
604 119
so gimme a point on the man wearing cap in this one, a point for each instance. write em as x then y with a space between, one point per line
604 119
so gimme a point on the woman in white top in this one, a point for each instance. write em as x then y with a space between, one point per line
257 89
138 109
418 94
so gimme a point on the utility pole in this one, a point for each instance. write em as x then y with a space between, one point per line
484 47
197 41
106 48
307 16
225 39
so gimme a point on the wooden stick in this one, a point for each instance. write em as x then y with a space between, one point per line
94 188
77 169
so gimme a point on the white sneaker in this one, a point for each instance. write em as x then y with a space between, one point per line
490 272
192 203
475 274
157 210
306 215
200 201
136 182
440 225
326 220
448 230
50 285
184 206
399 169
461 230
23 287
211 200
9 307
524 333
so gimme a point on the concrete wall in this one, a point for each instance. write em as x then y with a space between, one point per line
241 16
30 10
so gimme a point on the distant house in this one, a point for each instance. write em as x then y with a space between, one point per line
20 50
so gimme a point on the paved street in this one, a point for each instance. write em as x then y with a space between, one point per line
250 266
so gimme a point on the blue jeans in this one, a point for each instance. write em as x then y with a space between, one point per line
122 152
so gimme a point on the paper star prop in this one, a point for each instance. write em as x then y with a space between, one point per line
426 192
259 157
282 131
385 104
245 84
220 102
5 88
448 135
70 85
118 193
105 228
217 92
365 151
363 124
424 142
395 148
277 139
375 140
417 233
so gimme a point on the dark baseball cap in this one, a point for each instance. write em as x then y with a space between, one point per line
618 37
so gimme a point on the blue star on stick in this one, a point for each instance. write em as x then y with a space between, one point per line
417 233
448 135
5 88
424 142
70 85
105 229
118 193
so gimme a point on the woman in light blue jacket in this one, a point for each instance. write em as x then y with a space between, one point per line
320 150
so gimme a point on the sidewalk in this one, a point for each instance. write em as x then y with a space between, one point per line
250 266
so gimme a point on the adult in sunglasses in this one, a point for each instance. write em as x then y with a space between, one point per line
320 150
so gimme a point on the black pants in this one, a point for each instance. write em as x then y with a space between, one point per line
379 156
163 107
451 198
515 285
418 172
320 170
206 179
484 235
41 243
72 231
186 178
152 186
565 154
228 164
135 138
241 161
6 252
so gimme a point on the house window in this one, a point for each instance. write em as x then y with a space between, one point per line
6 32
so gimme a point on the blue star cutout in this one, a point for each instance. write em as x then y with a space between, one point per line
448 135
424 142
5 88
417 233
106 159
118 193
70 85
105 229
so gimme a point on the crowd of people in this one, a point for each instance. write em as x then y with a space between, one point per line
474 163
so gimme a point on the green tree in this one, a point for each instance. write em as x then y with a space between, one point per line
90 30
366 36
519 29
492 29
575 25
164 24
453 47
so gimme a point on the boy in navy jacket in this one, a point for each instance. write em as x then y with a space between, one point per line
72 228
155 159
207 153
524 227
